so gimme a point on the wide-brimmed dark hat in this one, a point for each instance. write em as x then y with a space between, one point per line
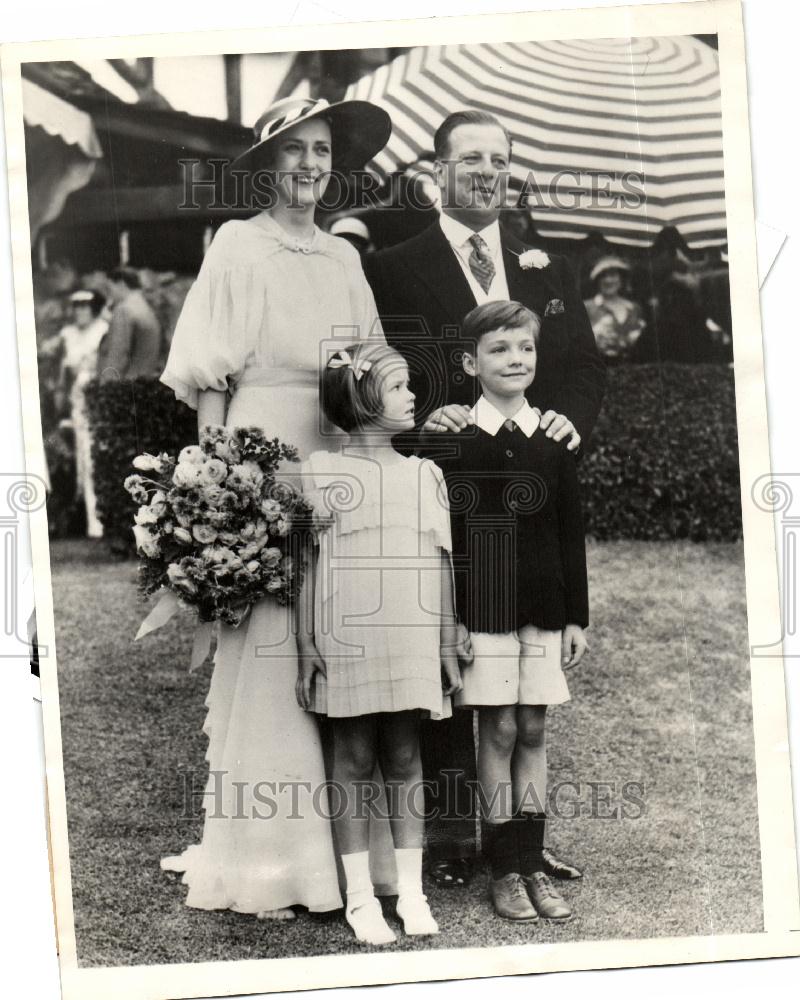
359 130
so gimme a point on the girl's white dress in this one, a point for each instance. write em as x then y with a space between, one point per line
80 361
377 589
256 321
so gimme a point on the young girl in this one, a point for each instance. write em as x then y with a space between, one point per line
375 627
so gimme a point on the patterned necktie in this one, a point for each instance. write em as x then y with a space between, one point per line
481 263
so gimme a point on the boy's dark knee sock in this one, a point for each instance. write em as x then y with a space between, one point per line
502 849
530 840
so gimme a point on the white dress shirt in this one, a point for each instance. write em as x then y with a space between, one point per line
458 236
486 416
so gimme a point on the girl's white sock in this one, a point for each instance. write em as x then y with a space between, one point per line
412 904
363 911
409 870
359 884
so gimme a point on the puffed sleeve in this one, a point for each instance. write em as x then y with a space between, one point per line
434 504
218 327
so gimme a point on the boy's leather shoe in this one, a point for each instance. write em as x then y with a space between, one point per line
556 868
510 898
548 903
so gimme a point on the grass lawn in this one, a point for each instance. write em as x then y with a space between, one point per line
663 699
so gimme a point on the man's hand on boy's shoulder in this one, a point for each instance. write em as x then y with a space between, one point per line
573 646
559 428
453 417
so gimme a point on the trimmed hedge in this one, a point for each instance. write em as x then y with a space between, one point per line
663 461
128 418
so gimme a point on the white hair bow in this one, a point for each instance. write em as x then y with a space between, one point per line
343 359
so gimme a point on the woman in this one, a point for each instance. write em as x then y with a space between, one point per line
81 342
270 292
617 322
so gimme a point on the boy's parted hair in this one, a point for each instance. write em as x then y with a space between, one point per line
501 315
350 402
441 140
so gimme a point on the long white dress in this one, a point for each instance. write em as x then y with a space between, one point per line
257 321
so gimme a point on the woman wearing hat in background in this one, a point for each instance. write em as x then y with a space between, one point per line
617 322
246 352
81 343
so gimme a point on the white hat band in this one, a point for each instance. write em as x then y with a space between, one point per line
300 110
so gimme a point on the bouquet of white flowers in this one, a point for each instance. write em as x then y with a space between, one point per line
215 528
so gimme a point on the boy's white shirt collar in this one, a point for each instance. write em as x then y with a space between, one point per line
490 419
459 235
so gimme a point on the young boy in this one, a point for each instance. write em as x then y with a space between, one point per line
520 581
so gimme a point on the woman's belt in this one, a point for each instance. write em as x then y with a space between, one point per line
251 377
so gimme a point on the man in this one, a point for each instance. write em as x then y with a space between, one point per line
132 346
423 289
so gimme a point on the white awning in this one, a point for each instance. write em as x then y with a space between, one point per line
58 118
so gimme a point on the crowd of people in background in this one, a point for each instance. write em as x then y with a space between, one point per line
118 325
665 306
110 327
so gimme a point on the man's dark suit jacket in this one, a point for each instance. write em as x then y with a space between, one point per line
423 296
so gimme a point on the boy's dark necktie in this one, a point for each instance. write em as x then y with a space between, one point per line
481 263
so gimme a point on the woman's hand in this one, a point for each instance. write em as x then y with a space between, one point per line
453 417
451 675
464 645
573 646
308 663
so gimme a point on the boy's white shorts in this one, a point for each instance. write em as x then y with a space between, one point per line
514 668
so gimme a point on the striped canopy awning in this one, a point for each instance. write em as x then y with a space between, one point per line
621 136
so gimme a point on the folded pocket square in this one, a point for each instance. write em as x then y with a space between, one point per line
554 307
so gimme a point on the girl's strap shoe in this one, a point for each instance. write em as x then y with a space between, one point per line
368 923
416 915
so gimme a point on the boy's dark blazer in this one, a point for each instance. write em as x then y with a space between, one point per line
422 297
519 554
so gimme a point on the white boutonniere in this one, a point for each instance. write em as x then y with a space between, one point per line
533 258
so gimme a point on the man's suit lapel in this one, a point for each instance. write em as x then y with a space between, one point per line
434 263
530 286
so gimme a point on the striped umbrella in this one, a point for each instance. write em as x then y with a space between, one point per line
621 136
